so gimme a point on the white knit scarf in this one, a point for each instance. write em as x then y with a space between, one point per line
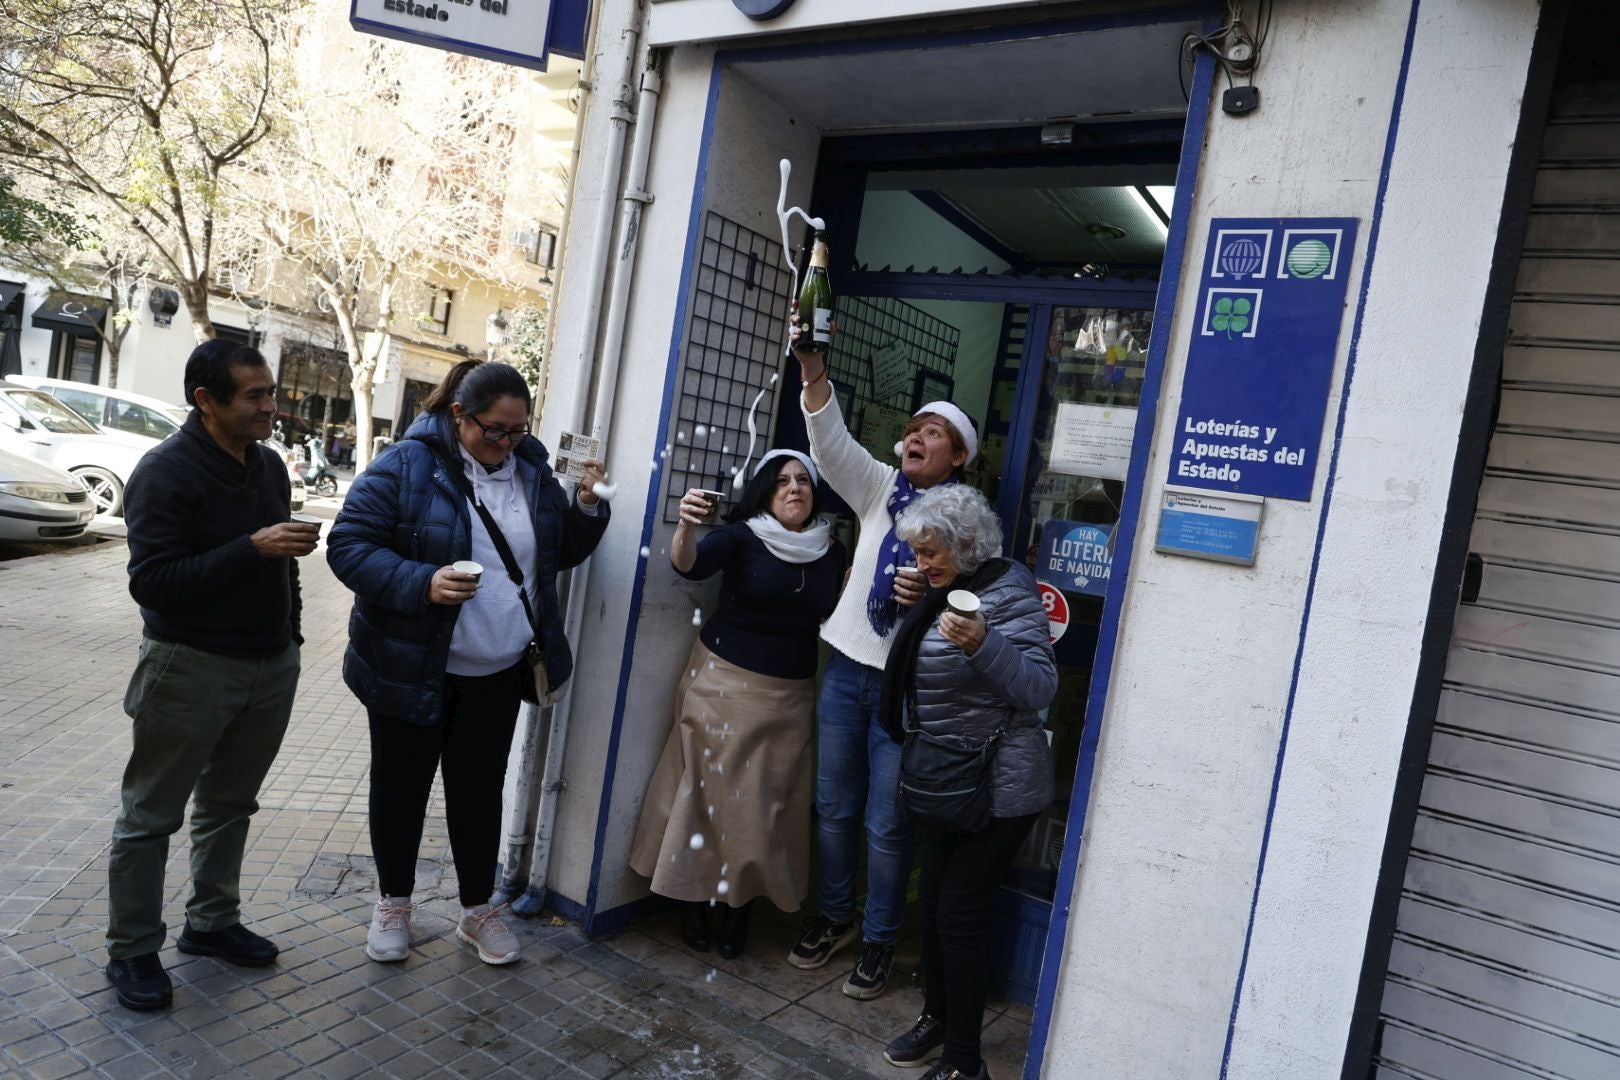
805 546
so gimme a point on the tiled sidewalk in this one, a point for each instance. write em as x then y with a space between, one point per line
638 1004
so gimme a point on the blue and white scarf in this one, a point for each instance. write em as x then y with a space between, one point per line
882 610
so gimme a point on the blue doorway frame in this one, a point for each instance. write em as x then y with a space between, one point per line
1026 922
1021 912
599 921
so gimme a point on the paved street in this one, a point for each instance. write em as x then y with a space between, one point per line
636 1005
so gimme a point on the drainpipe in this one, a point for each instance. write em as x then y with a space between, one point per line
534 805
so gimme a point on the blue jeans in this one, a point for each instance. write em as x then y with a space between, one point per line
858 772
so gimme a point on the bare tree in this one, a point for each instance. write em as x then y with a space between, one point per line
142 107
390 167
526 344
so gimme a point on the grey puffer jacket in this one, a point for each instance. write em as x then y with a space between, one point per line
1011 677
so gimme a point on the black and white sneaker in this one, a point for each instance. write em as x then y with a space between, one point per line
821 939
871 975
942 1071
918 1046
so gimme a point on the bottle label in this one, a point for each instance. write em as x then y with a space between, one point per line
822 332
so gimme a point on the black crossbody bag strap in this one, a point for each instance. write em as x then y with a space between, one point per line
513 571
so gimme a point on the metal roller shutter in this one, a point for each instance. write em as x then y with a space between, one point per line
1506 959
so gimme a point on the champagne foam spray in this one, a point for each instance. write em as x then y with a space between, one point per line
784 214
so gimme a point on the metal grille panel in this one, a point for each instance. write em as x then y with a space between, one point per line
734 339
867 326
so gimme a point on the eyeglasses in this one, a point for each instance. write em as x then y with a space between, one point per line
500 434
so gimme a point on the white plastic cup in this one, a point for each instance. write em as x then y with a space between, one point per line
467 566
963 603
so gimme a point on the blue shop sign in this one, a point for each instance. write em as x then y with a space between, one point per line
1260 363
1076 557
524 34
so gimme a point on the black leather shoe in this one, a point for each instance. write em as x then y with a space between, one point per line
918 1046
695 925
235 945
140 982
733 932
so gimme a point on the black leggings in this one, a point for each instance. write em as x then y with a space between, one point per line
960 875
471 741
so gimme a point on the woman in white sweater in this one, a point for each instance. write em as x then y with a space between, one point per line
857 766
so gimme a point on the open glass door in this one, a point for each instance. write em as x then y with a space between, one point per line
1070 447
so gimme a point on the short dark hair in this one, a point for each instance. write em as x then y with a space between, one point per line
209 368
756 494
476 385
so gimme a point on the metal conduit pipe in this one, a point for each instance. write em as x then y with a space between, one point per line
633 201
518 884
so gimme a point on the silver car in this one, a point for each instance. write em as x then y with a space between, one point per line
40 502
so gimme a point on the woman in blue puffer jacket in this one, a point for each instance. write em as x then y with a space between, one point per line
437 656
972 679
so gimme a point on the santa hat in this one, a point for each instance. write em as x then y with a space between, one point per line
803 459
957 419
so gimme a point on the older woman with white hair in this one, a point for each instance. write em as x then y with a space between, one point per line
727 813
970 670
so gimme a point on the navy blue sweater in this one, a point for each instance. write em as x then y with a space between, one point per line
770 611
191 509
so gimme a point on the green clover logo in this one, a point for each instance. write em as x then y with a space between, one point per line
1231 315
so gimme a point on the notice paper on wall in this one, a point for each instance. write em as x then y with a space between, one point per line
1092 440
891 371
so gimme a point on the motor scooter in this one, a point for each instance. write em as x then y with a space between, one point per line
316 469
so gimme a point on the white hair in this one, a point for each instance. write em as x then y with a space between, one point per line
959 518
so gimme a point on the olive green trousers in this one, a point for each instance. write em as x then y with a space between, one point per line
207 729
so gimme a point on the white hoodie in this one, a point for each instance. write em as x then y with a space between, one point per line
492 630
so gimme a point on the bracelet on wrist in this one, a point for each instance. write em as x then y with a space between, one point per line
811 382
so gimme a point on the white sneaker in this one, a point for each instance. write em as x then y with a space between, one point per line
484 928
389 938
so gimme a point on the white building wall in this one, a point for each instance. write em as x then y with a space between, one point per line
1195 715
631 446
675 21
752 132
34 343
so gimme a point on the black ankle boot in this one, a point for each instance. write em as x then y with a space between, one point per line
695 925
733 932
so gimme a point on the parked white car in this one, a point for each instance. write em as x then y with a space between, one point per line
40 502
36 425
112 410
119 411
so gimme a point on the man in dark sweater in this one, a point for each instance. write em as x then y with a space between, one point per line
212 563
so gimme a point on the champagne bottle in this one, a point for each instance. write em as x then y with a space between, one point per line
816 301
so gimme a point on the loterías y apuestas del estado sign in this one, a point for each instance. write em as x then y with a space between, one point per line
510 31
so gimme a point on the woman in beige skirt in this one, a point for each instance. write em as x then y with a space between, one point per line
727 814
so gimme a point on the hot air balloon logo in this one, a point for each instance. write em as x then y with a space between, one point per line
1242 256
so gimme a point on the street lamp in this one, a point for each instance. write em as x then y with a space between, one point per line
494 332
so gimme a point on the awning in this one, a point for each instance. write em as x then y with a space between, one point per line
71 313
8 292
